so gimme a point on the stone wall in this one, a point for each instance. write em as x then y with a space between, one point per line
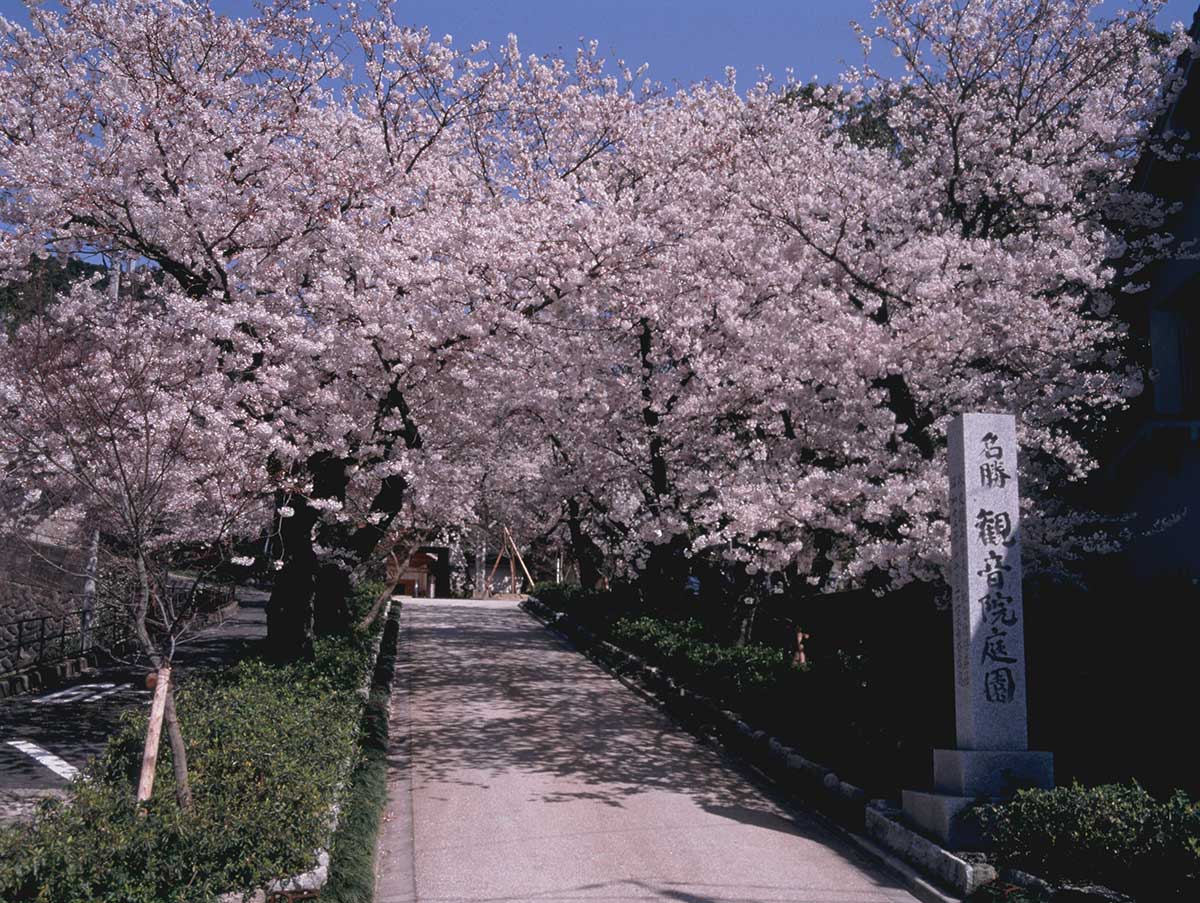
37 579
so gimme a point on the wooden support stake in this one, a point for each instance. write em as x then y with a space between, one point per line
153 733
517 552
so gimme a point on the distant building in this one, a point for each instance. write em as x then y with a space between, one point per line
426 573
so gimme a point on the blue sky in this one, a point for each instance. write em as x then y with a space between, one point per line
681 40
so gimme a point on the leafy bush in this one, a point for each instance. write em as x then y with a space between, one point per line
363 597
727 672
552 593
597 610
352 861
267 746
839 708
1115 834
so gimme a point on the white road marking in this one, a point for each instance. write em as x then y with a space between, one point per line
117 689
60 767
72 694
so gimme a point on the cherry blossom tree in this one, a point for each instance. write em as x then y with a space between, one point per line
715 323
110 412
966 266
342 242
775 387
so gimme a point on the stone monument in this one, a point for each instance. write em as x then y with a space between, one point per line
992 759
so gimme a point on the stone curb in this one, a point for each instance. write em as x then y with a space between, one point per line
883 825
814 784
1045 892
308 884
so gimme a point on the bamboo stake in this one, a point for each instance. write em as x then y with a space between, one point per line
154 733
517 551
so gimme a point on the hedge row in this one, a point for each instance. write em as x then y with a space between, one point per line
827 708
352 866
1117 835
267 748
724 672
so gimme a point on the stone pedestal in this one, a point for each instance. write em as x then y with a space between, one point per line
944 817
993 759
961 777
990 773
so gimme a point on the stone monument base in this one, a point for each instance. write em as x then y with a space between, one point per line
990 772
944 818
962 777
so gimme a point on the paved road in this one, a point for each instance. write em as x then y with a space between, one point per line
46 736
523 772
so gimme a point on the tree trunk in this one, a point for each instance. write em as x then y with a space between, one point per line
394 569
749 608
312 596
585 552
290 609
183 786
663 578
331 600
290 613
89 594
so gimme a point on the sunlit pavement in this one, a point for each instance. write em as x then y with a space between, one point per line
521 771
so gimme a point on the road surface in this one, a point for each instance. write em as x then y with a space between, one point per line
45 737
523 772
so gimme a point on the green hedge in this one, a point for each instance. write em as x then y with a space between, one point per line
1116 834
267 746
352 865
726 672
596 609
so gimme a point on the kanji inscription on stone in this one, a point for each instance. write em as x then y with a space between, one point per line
985 573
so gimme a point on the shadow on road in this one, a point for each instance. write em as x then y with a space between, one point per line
514 698
496 692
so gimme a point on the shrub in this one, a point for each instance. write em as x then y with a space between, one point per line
363 597
727 672
1115 834
267 746
597 610
352 861
832 708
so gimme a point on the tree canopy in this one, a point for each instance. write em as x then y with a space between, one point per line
414 281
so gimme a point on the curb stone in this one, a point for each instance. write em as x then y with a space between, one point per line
1040 890
310 883
1045 892
846 805
882 824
